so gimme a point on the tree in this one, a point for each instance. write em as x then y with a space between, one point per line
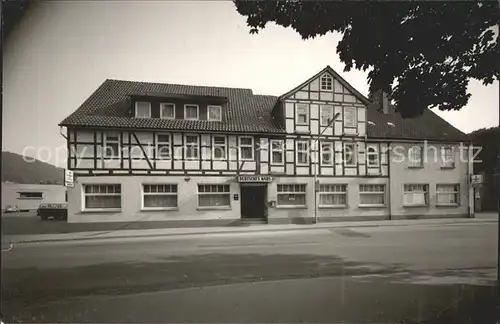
422 54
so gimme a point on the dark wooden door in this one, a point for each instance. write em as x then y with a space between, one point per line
253 202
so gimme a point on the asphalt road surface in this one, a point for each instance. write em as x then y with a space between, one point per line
382 274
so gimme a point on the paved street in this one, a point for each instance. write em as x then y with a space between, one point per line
376 274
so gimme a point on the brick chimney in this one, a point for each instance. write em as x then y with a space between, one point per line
380 100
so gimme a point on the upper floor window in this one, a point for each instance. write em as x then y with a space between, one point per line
246 148
415 159
302 114
326 114
191 112
192 147
350 118
372 156
167 111
416 195
277 152
349 154
111 145
327 153
215 113
142 109
326 82
447 157
302 152
163 146
219 147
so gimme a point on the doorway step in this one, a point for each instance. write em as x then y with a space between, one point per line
253 221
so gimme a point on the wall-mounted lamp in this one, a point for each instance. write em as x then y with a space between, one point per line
187 178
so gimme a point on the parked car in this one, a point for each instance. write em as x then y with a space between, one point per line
57 211
11 209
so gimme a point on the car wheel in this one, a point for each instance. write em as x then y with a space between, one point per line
44 217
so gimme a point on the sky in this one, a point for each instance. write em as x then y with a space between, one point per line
62 51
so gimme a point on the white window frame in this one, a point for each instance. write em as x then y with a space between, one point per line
302 151
208 112
307 108
137 106
407 191
197 147
332 148
84 194
106 141
280 149
143 194
164 104
445 164
294 192
328 80
197 111
323 108
219 145
380 193
411 162
158 143
251 146
344 154
354 120
374 153
324 192
456 192
213 193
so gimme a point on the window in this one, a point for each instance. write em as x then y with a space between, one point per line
447 157
102 196
448 194
277 152
214 195
30 195
191 112
349 154
415 157
415 195
215 113
326 114
192 147
159 196
163 146
372 195
167 111
350 118
302 152
372 156
142 109
246 148
326 82
302 114
219 146
326 153
111 145
332 195
292 195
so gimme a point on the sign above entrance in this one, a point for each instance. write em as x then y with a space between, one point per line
252 178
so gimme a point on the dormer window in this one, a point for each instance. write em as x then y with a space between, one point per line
142 109
191 112
215 113
326 82
167 111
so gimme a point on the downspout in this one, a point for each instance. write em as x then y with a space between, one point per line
389 150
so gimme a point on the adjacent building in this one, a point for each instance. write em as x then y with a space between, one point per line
27 197
199 155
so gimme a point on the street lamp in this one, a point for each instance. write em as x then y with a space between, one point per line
316 189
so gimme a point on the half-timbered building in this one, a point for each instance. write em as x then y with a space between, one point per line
212 155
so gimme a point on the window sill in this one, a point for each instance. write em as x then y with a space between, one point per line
412 206
214 208
333 206
447 167
29 198
372 206
103 210
152 209
447 205
292 207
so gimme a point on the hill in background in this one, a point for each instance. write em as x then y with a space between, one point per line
32 171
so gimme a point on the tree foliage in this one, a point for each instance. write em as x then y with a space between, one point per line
423 54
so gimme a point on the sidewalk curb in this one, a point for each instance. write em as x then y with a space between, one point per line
239 231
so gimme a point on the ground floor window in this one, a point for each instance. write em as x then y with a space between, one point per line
102 196
30 195
159 196
416 195
214 195
291 195
448 194
372 195
333 195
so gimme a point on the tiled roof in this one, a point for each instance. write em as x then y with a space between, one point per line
108 106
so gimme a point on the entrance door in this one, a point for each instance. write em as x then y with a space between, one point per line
253 201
